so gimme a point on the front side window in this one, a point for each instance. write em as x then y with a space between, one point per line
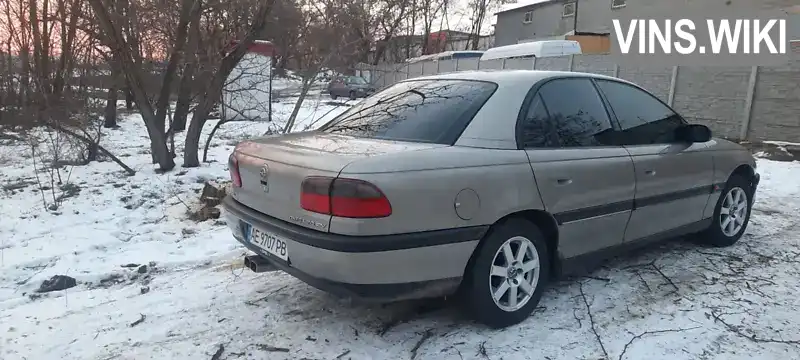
432 111
571 114
643 119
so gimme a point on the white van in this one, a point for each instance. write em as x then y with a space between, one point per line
447 55
545 48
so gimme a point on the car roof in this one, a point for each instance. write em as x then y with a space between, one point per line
512 77
494 126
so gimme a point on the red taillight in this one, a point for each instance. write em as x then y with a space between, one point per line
315 194
344 198
358 199
233 168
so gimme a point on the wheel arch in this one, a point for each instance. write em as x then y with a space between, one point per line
746 171
544 221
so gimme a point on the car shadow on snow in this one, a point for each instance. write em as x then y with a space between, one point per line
306 303
672 283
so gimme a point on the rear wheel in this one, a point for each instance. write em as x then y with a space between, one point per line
508 275
333 96
353 95
731 214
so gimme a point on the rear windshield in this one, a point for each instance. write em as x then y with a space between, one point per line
431 111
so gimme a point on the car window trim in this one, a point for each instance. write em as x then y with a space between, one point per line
611 108
526 103
461 125
612 116
546 110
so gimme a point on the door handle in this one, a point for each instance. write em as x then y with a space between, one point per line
564 181
650 172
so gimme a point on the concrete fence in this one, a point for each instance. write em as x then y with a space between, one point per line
747 103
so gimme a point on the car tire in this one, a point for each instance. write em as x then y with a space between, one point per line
333 96
489 272
353 95
731 214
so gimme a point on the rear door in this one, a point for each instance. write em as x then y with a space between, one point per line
587 184
673 179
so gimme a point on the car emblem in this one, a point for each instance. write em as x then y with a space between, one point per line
265 178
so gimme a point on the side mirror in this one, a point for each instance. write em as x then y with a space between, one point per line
693 133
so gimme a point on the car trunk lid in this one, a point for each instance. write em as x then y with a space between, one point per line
272 169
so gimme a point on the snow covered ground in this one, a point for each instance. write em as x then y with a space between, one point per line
193 299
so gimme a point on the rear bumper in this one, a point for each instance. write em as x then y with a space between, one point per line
378 268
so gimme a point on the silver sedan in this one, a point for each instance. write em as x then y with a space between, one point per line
483 184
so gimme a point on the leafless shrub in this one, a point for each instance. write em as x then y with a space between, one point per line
152 53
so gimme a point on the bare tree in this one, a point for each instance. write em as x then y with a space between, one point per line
185 86
478 10
157 52
213 88
118 43
113 93
70 12
328 42
431 10
394 13
284 29
49 60
190 9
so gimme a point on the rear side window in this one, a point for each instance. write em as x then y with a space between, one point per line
537 131
431 111
573 115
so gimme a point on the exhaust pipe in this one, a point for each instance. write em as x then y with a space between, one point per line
257 264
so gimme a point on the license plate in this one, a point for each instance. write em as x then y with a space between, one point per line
266 241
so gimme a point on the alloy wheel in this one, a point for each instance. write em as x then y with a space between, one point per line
733 211
514 273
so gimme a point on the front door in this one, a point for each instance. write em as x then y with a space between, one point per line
673 179
673 184
586 184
